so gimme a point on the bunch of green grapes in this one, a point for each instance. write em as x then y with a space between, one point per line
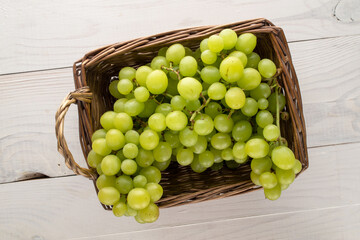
219 104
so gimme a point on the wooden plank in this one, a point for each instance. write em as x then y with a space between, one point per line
27 137
62 208
73 28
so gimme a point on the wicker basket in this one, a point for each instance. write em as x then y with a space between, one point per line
181 185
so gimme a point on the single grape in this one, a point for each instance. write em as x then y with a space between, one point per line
127 72
239 116
144 158
175 53
172 87
125 86
123 122
284 187
107 120
210 74
283 157
100 133
172 138
157 82
227 154
189 88
133 107
119 105
162 152
149 214
246 43
253 60
267 68
268 180
250 79
188 52
105 181
130 150
155 191
193 105
94 159
138 198
271 132
217 91
297 166
272 102
235 98
215 43
176 120
162 51
273 193
141 94
232 164
238 150
98 169
188 137
255 178
221 141
108 195
204 45
139 181
152 174
188 66
217 155
184 156
263 103
200 145
157 122
113 89
196 166
115 139
260 165
149 139
240 160
158 62
223 123
257 148
141 75
149 108
240 55
100 147
213 109
250 107
231 69
132 136
162 165
119 209
206 159
124 184
128 166
120 155
285 177
262 91
264 118
203 125
178 102
229 38
217 166
164 108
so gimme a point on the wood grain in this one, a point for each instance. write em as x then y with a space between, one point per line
27 137
73 28
62 208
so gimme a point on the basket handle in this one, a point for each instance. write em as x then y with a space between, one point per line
81 94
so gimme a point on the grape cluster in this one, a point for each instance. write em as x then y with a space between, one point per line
219 104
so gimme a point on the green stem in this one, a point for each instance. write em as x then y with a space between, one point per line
172 70
168 95
230 113
199 109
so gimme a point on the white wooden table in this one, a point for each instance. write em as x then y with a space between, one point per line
39 41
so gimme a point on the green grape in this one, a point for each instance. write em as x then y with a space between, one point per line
158 62
149 139
255 178
176 120
283 157
139 181
217 166
164 108
240 55
175 53
130 150
206 159
157 122
208 57
149 108
94 159
172 87
285 177
227 154
119 105
141 94
215 43
231 69
110 165
162 152
119 209
105 181
260 165
253 60
221 141
127 72
188 52
264 118
133 107
223 124
261 91
123 122
239 116
204 45
99 146
113 89
100 133
172 138
259 132
213 109
232 164
257 148
246 43
157 82
250 107
238 150
145 158
250 79
268 180
120 155
178 102
152 174
272 102
196 166
138 219
188 66
197 55
273 193
149 214
184 156
128 167
210 74
108 195
193 105
162 51
125 86
130 212
124 184
107 120
235 98
162 165
200 145
217 155
209 136
229 38
284 187
241 160
189 88
138 198
217 91
267 68
271 132
173 75
263 103
297 166
155 191
188 137
132 136
115 139
98 169
141 75
203 125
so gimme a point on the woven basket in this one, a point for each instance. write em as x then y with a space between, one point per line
92 75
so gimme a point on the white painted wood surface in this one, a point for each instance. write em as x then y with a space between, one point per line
324 202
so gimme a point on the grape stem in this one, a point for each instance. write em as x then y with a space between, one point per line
230 113
172 70
168 95
205 103
154 98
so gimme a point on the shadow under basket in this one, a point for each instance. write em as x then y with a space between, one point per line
93 73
